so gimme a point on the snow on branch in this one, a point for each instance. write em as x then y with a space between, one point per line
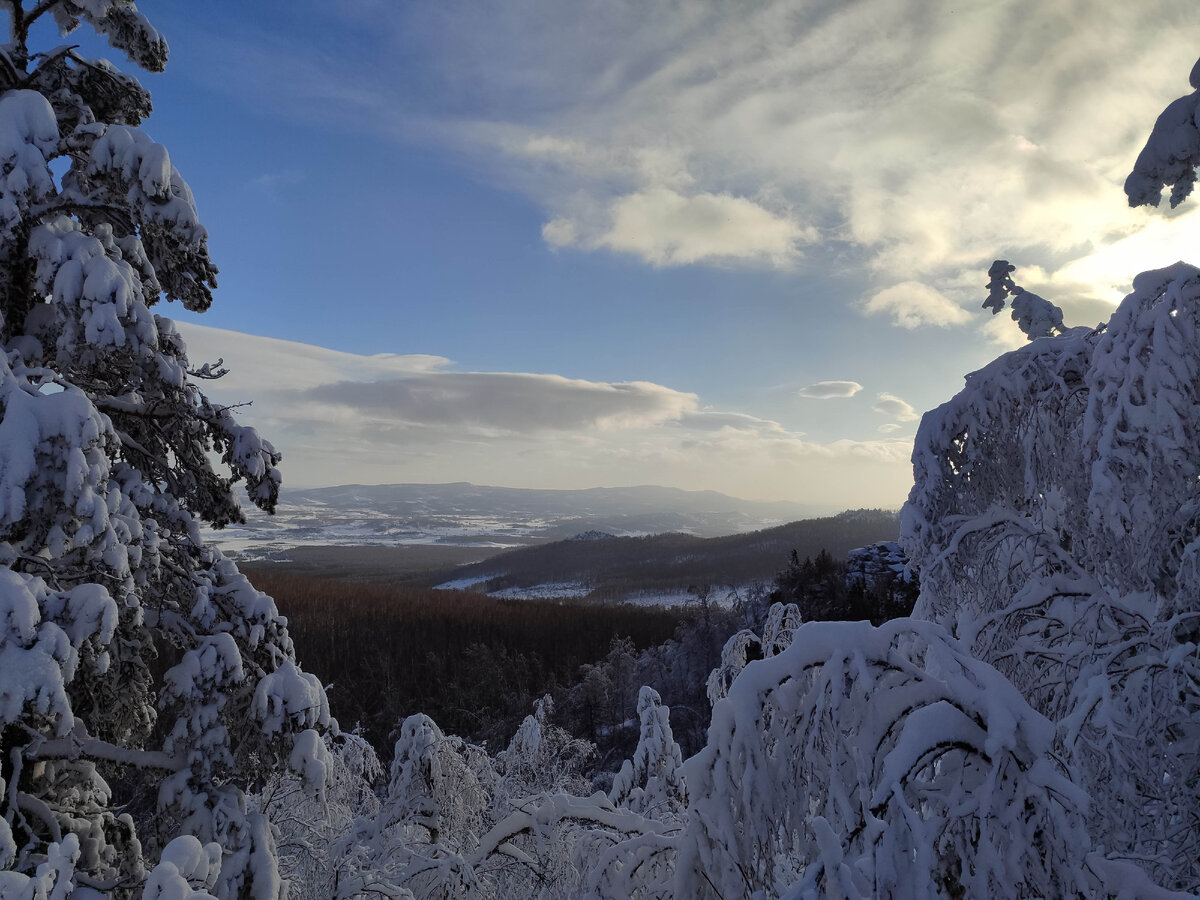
1034 315
878 762
1171 154
1055 525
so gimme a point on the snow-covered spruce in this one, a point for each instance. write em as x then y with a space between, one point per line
1055 524
104 479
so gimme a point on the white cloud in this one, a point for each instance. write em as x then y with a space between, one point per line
502 402
414 394
559 233
1160 242
890 427
271 182
1002 331
666 228
255 362
709 420
933 137
891 405
830 390
912 305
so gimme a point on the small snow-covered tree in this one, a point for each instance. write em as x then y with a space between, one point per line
456 824
309 825
105 477
1034 315
651 783
417 844
745 646
541 758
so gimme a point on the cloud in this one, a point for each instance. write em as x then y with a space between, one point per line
255 362
559 233
890 427
343 418
500 402
709 420
666 228
891 405
1003 332
830 390
926 138
931 136
912 305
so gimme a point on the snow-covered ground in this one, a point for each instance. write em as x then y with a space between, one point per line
548 591
723 597
310 525
678 597
576 589
462 584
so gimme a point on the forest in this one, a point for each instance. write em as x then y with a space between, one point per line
470 661
1031 729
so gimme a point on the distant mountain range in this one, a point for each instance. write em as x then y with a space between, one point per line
469 515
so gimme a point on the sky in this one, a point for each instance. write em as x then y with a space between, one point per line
710 244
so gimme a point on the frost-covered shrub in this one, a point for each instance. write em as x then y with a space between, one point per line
311 820
438 803
541 758
457 824
742 648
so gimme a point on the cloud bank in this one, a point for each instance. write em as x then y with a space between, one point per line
343 418
927 138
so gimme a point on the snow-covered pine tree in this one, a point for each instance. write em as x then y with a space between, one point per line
144 684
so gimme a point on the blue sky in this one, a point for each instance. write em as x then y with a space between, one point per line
608 242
